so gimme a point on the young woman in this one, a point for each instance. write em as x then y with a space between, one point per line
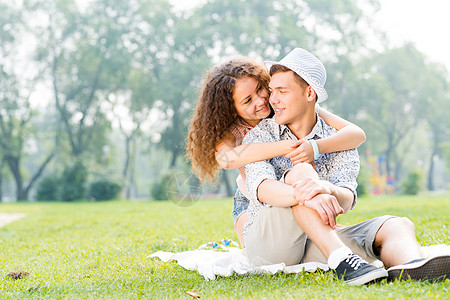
234 99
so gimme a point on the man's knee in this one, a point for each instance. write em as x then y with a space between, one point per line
299 172
397 225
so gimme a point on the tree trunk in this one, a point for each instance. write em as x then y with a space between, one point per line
132 189
39 172
127 157
228 188
175 152
1 179
388 163
389 152
430 177
398 165
126 167
130 179
14 167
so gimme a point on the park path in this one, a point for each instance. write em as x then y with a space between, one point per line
8 218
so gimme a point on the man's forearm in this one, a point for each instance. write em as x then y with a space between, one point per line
344 196
276 193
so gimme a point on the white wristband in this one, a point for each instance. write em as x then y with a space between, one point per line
315 149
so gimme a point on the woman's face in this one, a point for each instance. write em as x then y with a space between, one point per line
251 100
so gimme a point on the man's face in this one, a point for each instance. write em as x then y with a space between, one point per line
288 98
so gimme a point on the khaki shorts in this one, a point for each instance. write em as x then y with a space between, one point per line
275 237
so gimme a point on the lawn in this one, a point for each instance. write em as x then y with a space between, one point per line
98 250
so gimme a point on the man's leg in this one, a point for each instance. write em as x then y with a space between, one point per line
323 235
392 240
275 237
308 219
338 255
396 242
360 238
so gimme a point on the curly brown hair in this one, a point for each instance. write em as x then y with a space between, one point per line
215 112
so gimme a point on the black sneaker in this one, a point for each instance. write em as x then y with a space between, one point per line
356 271
433 268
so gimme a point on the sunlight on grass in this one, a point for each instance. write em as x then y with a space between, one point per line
98 250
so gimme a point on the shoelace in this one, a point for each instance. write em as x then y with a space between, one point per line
355 261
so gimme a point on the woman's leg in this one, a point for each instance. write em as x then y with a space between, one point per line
239 226
239 213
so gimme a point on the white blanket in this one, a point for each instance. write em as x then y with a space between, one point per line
210 263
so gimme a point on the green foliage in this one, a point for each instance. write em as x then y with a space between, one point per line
162 186
99 251
145 56
413 182
48 188
363 182
446 150
73 181
103 189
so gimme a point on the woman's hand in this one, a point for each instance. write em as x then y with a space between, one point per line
303 154
308 188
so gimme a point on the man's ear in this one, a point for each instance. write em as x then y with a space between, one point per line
310 93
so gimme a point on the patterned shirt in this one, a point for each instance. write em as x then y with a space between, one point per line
340 168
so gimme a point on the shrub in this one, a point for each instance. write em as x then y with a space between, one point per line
363 182
73 182
104 189
412 183
162 186
48 188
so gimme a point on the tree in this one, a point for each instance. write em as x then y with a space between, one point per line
434 109
85 57
16 114
146 38
393 88
131 110
174 54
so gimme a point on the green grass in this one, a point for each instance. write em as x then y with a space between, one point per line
98 250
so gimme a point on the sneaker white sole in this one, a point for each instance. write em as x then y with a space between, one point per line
432 268
366 278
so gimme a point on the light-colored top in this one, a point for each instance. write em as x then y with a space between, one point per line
340 168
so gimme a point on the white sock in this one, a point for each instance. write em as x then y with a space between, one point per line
337 256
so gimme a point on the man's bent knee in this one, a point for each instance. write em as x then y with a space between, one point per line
299 172
395 226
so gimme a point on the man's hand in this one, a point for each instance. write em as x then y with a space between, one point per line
303 153
308 188
327 207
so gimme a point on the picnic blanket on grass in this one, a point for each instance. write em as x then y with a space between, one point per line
225 261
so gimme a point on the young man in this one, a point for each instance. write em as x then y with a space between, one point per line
293 209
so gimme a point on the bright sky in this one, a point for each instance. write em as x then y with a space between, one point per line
425 23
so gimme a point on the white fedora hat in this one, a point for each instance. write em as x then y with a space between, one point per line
308 67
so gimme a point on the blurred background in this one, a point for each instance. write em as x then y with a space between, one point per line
96 95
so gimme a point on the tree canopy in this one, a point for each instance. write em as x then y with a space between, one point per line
113 84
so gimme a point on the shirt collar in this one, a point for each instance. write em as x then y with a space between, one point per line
317 130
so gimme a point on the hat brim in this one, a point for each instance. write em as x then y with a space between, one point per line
322 94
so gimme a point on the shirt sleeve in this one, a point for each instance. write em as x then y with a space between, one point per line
344 170
258 171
